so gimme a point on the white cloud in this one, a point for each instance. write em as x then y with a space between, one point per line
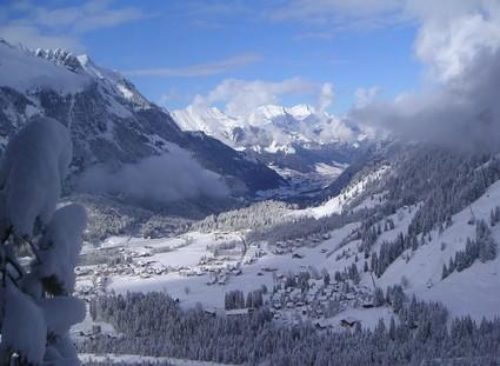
50 27
205 69
459 42
364 96
326 96
338 14
241 97
31 37
450 45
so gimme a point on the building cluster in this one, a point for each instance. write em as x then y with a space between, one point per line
300 297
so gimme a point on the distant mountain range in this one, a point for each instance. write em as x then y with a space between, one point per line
298 138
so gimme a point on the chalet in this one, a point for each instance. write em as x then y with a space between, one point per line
349 322
368 304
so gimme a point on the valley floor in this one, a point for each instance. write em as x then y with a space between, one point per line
202 267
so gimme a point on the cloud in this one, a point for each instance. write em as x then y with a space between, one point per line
205 69
30 36
450 47
364 96
326 96
172 177
332 15
41 26
241 97
459 42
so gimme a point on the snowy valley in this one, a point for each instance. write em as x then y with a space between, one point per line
279 235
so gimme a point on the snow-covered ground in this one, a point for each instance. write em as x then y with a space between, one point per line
193 289
203 267
336 204
475 290
134 359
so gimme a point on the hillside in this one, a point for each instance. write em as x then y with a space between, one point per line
112 124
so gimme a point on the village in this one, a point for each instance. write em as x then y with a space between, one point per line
219 263
293 291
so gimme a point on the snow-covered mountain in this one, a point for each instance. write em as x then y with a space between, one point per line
111 123
297 138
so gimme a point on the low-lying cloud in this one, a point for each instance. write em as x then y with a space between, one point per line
171 177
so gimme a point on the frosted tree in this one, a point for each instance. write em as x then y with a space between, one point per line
37 308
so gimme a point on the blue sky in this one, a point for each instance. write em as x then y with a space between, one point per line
174 50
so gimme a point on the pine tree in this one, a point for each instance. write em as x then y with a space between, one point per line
445 272
37 305
378 297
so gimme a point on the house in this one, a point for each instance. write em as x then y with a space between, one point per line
349 322
368 304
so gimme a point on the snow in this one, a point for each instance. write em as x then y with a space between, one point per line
127 93
23 329
368 318
60 246
329 169
476 290
336 204
34 164
206 119
301 111
23 71
132 359
114 81
253 274
275 147
371 201
62 353
269 128
62 312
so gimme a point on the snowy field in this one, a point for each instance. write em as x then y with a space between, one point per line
253 275
474 291
133 359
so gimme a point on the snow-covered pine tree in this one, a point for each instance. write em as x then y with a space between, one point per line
36 302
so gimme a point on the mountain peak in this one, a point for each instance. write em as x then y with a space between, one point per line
301 111
83 64
269 127
61 57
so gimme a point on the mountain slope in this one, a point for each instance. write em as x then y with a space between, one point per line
111 122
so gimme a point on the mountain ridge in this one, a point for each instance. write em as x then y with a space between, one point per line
299 138
111 123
